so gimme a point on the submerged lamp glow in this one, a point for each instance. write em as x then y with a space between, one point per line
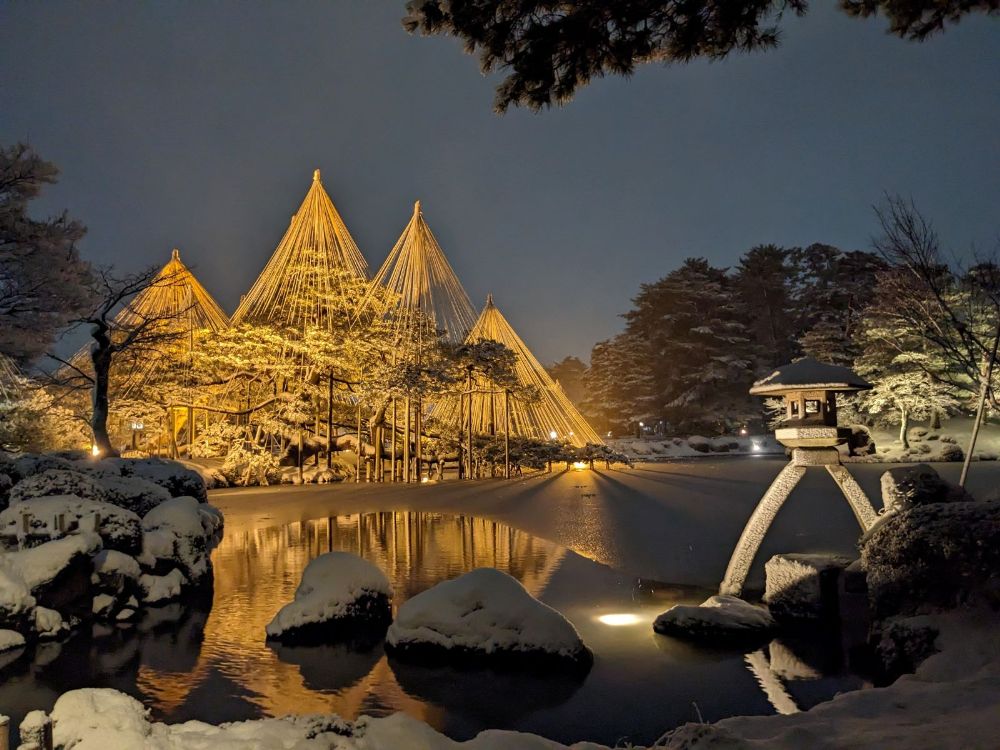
618 619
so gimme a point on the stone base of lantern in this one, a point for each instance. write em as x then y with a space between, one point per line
776 495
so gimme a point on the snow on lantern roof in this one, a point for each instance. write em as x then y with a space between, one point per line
808 374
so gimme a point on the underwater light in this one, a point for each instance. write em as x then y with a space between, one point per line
621 618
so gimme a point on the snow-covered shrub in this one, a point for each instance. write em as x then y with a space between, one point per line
699 443
718 619
119 529
950 452
486 614
902 643
340 594
133 493
860 441
30 463
906 487
57 482
179 533
251 464
916 434
933 556
177 479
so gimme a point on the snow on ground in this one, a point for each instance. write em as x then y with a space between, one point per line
694 446
716 618
485 611
332 586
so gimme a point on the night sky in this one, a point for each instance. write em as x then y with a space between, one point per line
197 125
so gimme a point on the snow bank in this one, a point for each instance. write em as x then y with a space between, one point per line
718 618
338 590
697 445
485 612
15 595
119 528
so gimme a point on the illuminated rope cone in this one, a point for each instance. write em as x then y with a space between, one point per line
423 287
551 412
306 274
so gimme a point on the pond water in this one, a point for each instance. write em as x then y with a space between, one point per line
208 660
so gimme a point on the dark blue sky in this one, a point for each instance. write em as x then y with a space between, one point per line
198 125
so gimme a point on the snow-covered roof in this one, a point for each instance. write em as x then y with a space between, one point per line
810 374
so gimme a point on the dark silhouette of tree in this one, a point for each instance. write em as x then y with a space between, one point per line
569 373
43 282
550 49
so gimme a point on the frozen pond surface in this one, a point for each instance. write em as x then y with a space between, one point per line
209 661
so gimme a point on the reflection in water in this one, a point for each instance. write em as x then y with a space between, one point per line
208 659
257 571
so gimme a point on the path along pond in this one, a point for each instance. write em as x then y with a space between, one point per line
209 660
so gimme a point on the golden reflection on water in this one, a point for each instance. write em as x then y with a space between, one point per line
257 569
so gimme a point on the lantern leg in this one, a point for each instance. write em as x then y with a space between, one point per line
756 528
856 497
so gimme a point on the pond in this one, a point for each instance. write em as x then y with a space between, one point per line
209 661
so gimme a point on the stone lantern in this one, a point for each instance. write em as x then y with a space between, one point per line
809 389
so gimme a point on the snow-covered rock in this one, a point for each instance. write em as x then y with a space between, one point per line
41 565
119 529
484 613
10 639
718 618
905 487
102 605
16 600
114 572
801 586
49 623
339 594
161 589
179 533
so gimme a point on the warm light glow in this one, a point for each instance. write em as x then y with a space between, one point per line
553 435
94 450
424 480
756 445
743 430
580 465
619 619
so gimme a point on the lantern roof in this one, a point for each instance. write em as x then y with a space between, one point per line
808 374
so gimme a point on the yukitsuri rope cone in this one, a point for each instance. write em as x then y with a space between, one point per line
305 278
551 412
423 289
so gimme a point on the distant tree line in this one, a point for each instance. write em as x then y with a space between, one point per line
921 331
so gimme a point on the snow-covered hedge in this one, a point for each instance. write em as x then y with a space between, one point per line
120 529
339 595
484 613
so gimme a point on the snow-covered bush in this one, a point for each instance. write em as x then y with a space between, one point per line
906 487
250 464
933 556
133 493
484 613
717 619
119 529
57 482
340 594
173 476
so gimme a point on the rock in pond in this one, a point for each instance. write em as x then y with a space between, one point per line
485 615
803 586
340 596
724 619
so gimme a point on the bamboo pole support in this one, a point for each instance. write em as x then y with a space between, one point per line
506 434
393 442
406 441
329 422
357 468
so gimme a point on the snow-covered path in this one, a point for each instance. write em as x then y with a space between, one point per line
672 522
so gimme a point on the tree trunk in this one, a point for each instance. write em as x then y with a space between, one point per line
904 427
935 419
100 355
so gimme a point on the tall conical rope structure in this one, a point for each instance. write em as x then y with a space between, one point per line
307 269
551 412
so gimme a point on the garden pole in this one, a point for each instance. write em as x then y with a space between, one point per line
983 391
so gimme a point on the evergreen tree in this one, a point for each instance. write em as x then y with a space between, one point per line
569 373
763 283
43 282
701 353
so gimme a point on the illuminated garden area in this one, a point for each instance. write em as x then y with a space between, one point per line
656 408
